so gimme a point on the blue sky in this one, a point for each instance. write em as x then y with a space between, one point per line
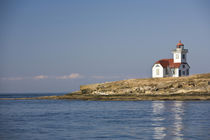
58 45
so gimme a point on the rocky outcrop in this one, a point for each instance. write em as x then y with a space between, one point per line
195 84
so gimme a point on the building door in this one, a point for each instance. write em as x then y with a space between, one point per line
180 73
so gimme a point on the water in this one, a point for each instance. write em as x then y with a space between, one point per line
27 95
65 119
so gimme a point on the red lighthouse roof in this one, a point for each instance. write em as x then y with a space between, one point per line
179 44
168 63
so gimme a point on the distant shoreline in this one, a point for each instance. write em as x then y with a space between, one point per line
76 96
195 87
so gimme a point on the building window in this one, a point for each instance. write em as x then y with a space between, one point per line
183 56
183 72
180 74
157 71
183 66
166 71
177 56
173 71
187 71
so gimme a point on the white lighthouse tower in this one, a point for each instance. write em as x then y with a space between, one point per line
180 54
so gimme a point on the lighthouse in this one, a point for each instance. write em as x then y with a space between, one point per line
180 53
175 67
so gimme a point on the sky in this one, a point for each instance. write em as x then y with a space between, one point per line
54 46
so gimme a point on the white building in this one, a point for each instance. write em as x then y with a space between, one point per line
175 67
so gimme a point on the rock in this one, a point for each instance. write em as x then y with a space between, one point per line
190 84
146 88
177 85
148 92
142 90
86 91
202 84
208 88
164 85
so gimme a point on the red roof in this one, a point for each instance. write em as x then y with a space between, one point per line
179 44
168 63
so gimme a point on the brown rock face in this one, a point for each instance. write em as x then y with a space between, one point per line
199 83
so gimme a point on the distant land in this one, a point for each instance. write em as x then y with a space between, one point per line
194 87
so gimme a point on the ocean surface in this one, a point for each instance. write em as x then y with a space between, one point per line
90 120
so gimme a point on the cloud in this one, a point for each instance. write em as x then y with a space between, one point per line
12 78
71 76
40 77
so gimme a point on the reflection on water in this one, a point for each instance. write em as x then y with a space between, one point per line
159 129
178 113
159 120
88 120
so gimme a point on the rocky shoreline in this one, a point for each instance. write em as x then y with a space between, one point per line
195 87
78 96
199 83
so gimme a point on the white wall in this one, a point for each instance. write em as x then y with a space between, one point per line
176 72
175 58
154 70
179 52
